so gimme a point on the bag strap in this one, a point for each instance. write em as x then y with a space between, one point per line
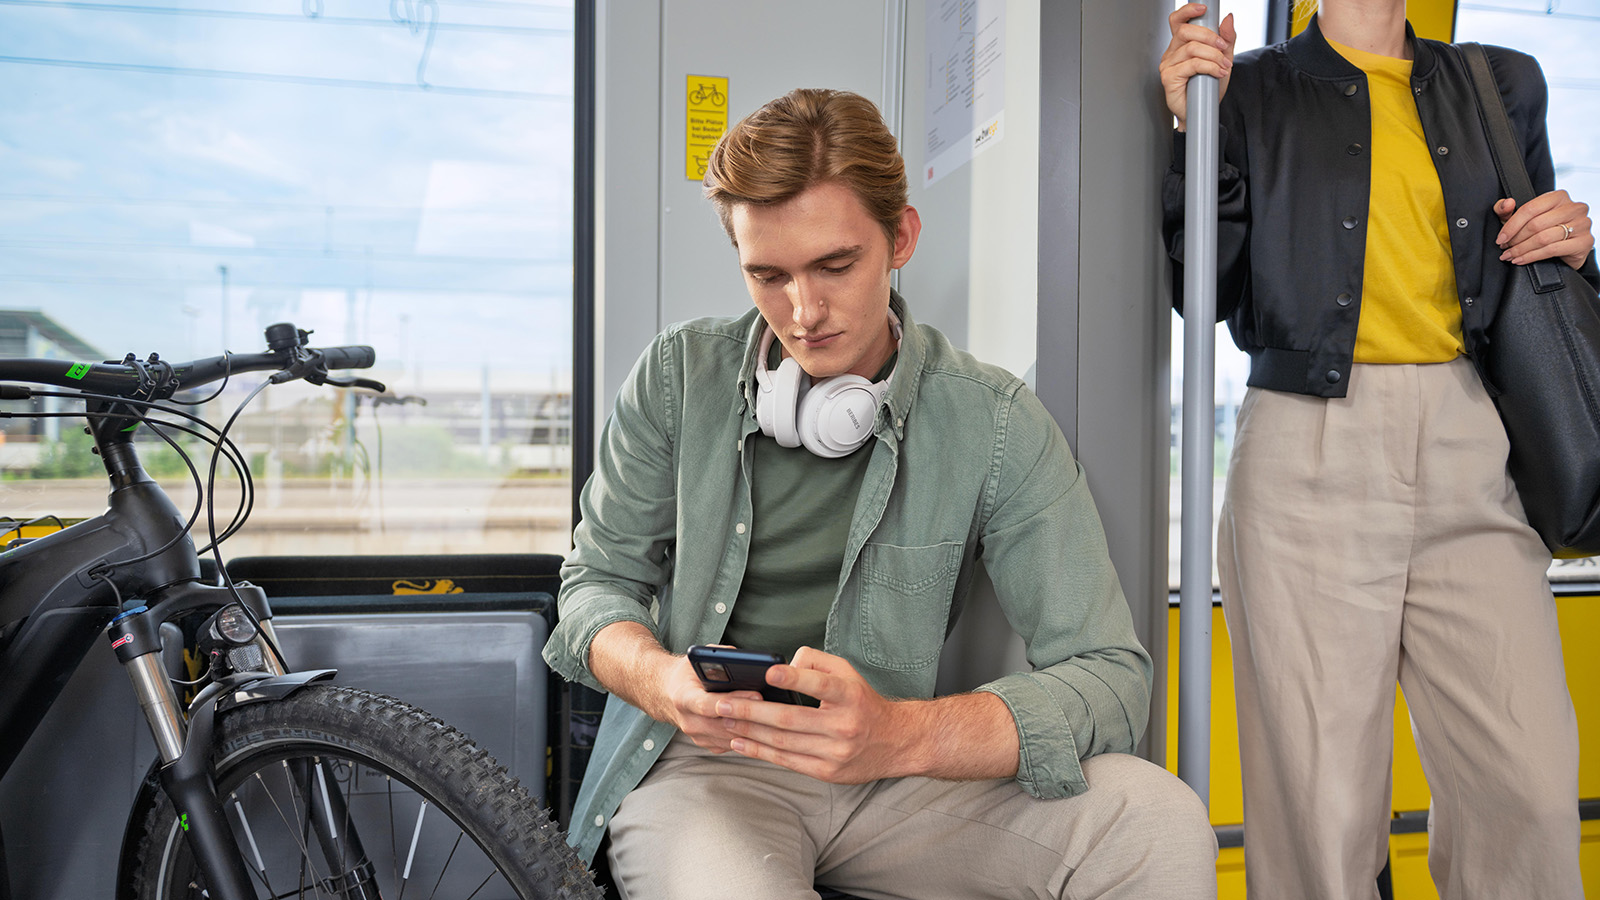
1508 162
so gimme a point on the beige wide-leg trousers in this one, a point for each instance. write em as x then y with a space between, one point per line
1378 537
705 827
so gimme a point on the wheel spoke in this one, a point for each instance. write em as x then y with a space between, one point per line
446 867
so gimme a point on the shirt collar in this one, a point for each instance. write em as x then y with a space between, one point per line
1310 51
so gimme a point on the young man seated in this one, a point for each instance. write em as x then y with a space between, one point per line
819 478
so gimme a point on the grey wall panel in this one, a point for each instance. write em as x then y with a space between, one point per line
766 48
628 172
1104 298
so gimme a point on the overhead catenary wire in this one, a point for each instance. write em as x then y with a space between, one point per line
286 18
287 78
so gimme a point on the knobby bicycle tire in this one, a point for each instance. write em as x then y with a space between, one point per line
396 769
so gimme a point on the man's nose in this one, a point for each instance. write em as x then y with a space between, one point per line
809 306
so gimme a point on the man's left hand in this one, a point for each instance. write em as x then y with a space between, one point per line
855 736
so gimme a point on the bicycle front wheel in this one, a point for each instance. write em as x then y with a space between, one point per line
339 793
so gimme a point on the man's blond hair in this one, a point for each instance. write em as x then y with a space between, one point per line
807 137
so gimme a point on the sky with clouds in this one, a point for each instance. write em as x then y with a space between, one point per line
397 174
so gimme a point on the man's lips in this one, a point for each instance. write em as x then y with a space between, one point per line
821 340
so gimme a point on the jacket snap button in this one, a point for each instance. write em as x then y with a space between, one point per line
1333 376
1461 223
1349 222
1344 298
1350 90
1353 149
1444 151
1468 301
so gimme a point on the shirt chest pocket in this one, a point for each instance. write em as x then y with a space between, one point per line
905 603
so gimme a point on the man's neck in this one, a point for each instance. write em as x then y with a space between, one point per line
1372 26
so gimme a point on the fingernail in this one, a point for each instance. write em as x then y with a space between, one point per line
724 708
1505 256
736 746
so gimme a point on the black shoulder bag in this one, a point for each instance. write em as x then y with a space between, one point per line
1544 356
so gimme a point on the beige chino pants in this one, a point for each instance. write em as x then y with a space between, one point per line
1378 537
706 827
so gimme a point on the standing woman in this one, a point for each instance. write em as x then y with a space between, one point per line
1369 530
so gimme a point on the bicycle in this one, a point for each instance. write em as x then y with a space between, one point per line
269 782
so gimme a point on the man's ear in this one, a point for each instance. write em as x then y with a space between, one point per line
905 237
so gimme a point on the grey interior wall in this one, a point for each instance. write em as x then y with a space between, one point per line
1104 315
663 256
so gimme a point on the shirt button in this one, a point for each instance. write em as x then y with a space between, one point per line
1461 223
739 528
1333 376
1350 90
1443 151
649 744
599 821
1349 222
721 608
1344 299
1353 149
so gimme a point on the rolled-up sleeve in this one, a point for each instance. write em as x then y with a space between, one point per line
1045 550
621 548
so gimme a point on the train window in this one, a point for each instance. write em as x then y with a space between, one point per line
178 175
1561 35
1232 366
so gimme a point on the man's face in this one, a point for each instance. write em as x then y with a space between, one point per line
817 267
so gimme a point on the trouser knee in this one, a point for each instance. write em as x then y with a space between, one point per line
1153 806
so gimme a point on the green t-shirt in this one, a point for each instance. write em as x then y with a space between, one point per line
801 509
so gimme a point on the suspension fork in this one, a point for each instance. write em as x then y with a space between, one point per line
185 770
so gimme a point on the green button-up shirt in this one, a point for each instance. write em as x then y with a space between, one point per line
967 466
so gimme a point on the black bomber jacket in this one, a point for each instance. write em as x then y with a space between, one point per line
1293 194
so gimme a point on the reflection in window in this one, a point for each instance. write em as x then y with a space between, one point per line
174 177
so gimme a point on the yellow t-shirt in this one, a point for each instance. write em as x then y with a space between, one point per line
1409 309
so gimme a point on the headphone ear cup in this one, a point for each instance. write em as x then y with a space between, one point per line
837 414
785 399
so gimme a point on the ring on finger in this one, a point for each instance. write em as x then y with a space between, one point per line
1568 230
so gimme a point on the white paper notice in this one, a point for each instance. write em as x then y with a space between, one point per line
966 82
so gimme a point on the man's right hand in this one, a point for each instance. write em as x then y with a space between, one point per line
631 663
1194 50
687 704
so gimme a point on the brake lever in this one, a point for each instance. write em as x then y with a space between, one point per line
367 383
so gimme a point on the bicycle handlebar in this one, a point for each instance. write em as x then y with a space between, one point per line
156 379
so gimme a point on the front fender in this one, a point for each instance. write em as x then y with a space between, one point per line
237 690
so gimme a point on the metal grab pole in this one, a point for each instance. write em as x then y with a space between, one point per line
1202 164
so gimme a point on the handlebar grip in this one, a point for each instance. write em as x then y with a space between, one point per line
347 357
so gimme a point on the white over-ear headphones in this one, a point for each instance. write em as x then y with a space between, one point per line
831 417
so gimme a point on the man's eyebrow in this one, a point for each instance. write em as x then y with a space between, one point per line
831 256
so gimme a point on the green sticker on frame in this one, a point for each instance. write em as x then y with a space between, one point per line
78 370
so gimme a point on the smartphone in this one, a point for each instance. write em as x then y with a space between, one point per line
723 669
